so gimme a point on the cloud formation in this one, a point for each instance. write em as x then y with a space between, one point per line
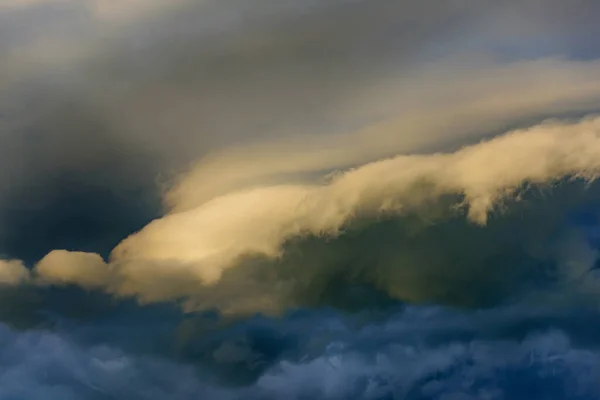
12 272
275 92
62 267
432 109
420 353
259 220
269 247
334 176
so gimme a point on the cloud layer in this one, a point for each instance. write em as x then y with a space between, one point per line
259 220
302 240
303 199
418 354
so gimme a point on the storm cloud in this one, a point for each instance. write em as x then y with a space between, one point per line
336 199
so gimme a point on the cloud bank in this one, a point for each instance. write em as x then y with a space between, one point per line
261 219
294 238
93 110
403 357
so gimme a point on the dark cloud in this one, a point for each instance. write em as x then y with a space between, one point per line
208 74
525 256
291 68
538 244
40 365
71 181
418 353
83 140
87 128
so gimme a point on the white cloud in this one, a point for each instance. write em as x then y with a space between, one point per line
184 254
249 199
71 267
211 236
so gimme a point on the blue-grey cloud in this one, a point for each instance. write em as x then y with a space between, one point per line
417 353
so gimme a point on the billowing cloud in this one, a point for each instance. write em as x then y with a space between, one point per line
12 272
256 199
214 234
63 267
273 246
418 354
262 91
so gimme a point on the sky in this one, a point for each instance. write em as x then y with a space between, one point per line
299 199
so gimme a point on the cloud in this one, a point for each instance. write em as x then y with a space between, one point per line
435 108
40 365
363 238
331 162
12 272
469 372
416 353
280 80
275 92
62 267
259 220
102 9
